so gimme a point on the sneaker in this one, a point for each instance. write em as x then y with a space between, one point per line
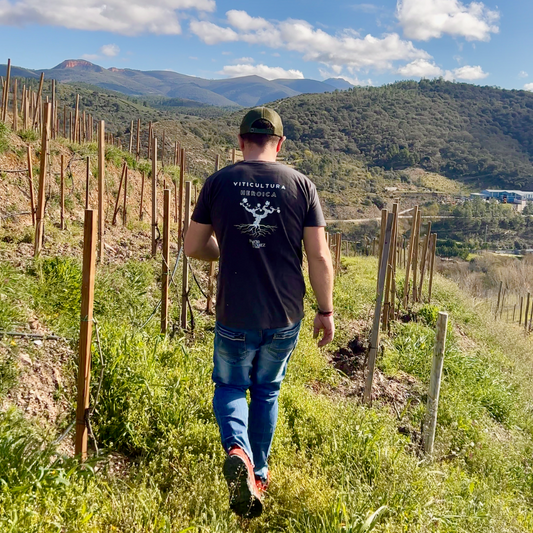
262 484
244 496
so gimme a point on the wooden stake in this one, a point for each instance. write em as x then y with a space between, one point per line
101 176
434 385
87 176
425 248
15 107
39 225
410 257
154 197
499 298
38 106
388 277
62 192
233 155
185 274
124 207
180 199
384 218
138 138
166 258
374 338
115 211
131 137
142 196
433 253
521 307
5 103
30 178
210 288
86 323
415 257
150 133
527 311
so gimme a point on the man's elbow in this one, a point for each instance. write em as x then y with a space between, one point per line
190 248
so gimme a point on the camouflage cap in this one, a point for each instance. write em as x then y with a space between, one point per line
265 113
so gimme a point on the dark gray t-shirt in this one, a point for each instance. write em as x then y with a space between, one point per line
258 211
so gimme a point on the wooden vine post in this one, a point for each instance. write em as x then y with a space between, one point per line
5 103
125 205
39 223
185 275
180 199
142 196
521 309
434 385
425 249
374 338
433 253
15 107
86 323
499 299
166 258
390 268
101 175
30 178
384 218
62 192
154 196
87 175
415 257
527 311
115 211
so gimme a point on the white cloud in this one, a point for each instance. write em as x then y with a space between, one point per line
211 33
110 50
269 73
523 74
469 73
427 19
116 16
420 68
342 50
365 8
528 87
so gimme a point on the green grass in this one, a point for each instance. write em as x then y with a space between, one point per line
334 462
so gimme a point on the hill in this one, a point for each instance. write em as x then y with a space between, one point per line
479 134
245 91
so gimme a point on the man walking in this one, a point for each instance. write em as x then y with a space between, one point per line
259 211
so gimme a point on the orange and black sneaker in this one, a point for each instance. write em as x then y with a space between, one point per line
244 496
262 484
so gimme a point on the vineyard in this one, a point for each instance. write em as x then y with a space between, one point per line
106 421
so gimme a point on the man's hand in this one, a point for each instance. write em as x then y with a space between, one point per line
327 324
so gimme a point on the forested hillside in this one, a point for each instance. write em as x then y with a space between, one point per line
460 130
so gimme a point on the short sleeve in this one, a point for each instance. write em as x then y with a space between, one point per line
202 211
314 216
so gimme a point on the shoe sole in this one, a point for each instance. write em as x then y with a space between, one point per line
243 502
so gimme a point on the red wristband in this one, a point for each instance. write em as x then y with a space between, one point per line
325 313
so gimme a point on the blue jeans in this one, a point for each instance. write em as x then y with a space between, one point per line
254 360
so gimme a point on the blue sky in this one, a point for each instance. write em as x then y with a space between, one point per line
365 42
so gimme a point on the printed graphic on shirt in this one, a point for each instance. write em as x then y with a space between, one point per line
259 212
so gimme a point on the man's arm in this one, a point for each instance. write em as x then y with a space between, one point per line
321 277
200 243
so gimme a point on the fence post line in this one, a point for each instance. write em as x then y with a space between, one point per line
86 327
180 199
39 225
30 178
521 306
154 196
101 175
185 275
409 258
62 192
434 384
374 338
165 269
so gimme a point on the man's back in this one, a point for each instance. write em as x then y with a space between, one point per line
258 211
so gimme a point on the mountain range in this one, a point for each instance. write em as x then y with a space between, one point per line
247 91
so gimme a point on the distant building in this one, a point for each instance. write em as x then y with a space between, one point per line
505 196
